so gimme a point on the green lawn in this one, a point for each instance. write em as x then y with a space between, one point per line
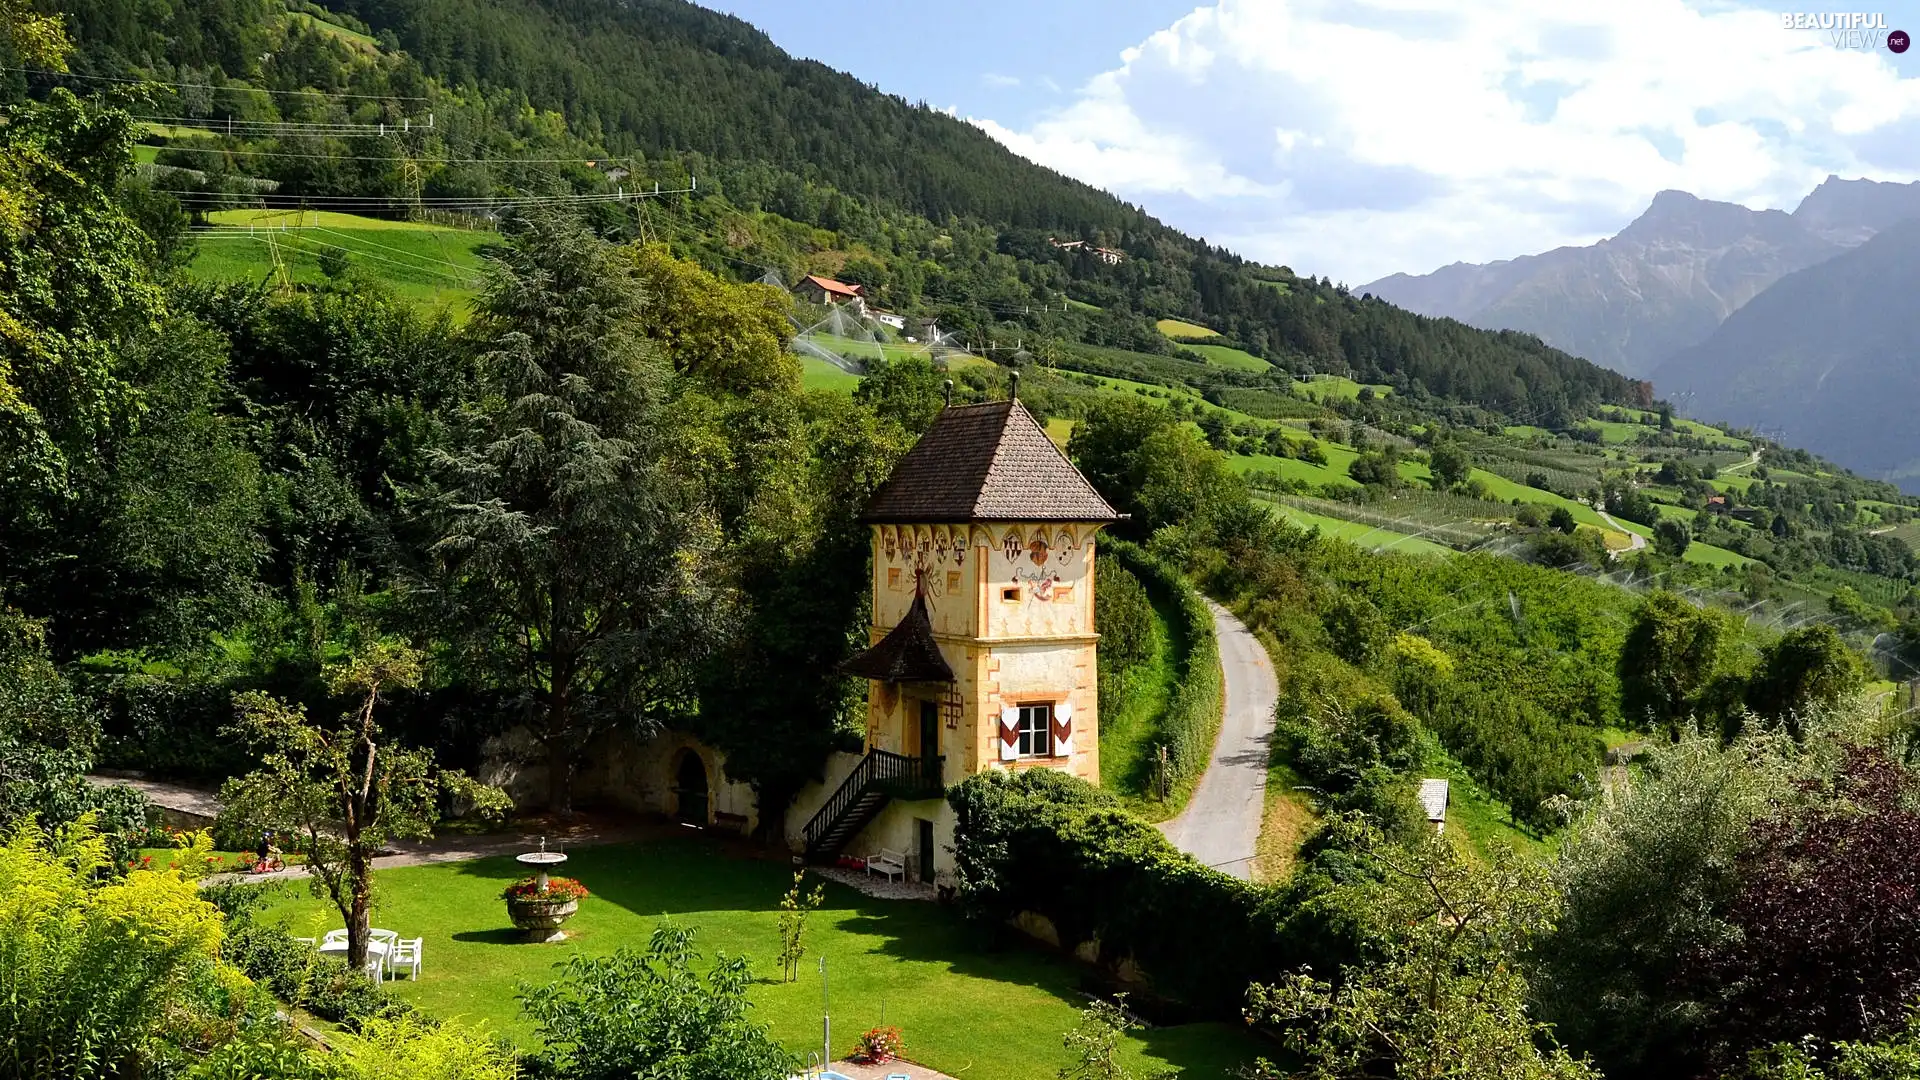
866 350
430 264
1083 306
1228 357
1333 472
817 374
1614 432
1180 331
966 1006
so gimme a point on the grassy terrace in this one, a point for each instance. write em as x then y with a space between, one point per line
966 1006
431 264
1229 357
1181 331
817 374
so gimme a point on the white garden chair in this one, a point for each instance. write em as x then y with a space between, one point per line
406 954
333 937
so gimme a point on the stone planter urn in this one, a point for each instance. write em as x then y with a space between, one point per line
539 904
541 919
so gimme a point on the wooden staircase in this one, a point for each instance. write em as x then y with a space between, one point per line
881 777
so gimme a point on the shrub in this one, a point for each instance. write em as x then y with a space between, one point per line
1192 718
98 975
1045 842
649 1013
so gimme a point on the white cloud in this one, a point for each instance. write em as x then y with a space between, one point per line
1358 137
998 81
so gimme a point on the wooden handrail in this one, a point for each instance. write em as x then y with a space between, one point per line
901 774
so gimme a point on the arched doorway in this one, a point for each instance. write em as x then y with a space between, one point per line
690 785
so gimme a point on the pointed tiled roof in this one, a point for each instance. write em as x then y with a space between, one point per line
907 654
987 462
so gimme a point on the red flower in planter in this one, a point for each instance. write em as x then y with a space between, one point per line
559 890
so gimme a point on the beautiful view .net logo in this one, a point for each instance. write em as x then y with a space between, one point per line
1850 29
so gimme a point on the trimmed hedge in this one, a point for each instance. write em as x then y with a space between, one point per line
1192 720
1045 842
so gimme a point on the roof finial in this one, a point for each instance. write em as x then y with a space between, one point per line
949 392
1013 386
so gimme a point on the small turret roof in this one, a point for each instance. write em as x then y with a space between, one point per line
907 654
986 462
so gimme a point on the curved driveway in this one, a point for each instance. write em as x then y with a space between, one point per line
1221 825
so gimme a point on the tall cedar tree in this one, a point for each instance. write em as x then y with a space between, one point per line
573 552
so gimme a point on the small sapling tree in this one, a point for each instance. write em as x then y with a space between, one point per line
794 909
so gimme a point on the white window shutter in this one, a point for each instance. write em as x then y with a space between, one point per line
1009 733
1063 729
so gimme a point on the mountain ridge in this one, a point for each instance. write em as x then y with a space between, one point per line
1838 382
1660 284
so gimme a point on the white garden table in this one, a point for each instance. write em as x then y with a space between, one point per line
376 954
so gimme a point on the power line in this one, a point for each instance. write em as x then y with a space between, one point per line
210 86
232 126
372 157
435 201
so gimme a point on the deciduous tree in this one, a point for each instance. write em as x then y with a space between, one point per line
1446 998
343 790
1671 653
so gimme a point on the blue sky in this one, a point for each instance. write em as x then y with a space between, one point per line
1355 138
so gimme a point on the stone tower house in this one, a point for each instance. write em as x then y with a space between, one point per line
983 652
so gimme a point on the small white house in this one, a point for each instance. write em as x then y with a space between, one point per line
898 322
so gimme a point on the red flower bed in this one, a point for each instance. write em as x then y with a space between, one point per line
559 890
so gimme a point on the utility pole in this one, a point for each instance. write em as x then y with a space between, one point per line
826 1019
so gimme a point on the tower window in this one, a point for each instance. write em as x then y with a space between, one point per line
1036 731
1011 596
953 581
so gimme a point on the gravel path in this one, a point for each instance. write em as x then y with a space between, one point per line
195 802
446 849
1221 825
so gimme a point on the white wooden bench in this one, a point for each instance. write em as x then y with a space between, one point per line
889 862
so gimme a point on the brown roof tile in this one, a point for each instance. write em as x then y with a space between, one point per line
987 462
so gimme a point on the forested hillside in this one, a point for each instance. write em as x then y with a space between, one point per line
673 90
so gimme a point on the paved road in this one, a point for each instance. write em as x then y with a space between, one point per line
1221 826
1634 540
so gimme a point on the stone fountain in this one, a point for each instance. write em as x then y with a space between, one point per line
537 914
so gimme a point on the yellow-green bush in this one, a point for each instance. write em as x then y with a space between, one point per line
100 975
